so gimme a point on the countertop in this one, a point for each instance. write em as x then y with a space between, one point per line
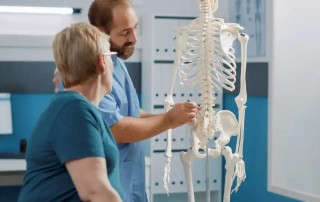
12 162
15 162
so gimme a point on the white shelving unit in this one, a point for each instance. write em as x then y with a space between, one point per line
158 52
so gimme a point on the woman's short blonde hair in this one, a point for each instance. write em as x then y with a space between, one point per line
76 50
56 73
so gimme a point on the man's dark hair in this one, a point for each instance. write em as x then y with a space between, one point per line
100 13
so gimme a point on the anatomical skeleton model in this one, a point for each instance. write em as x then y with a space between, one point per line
205 56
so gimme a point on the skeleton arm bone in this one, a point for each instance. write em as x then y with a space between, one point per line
168 155
168 105
241 100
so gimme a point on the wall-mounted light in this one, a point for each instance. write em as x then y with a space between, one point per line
39 10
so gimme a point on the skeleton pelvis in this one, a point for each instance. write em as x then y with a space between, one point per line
227 125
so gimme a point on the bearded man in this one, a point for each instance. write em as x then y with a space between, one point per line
120 109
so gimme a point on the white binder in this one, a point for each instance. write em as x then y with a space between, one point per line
5 114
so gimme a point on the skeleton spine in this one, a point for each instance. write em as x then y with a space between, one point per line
207 94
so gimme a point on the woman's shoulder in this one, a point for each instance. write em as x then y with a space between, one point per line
70 99
69 103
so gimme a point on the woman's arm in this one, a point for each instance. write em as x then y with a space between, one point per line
91 180
77 141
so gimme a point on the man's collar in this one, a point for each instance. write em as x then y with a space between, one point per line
114 59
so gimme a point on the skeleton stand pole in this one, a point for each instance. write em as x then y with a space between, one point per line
207 173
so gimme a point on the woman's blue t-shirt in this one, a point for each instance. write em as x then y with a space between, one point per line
69 128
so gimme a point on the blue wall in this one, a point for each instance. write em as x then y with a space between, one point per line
254 188
28 107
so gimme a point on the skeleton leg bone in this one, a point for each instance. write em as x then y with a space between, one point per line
186 158
231 161
227 125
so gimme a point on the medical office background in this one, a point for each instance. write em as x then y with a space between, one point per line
281 126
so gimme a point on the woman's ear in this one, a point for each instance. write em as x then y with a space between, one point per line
101 64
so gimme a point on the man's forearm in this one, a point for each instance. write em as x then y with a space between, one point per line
144 114
131 129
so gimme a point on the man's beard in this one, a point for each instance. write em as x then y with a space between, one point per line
124 51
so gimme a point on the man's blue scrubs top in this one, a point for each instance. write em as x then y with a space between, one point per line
123 101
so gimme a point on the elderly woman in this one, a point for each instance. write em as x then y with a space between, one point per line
72 155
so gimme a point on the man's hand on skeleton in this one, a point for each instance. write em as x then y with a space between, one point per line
182 113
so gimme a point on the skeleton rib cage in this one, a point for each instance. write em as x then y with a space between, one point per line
205 57
222 65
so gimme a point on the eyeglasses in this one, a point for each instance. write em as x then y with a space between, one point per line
110 53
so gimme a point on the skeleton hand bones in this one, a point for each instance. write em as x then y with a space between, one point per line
178 114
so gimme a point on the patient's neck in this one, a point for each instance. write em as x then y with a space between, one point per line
91 90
